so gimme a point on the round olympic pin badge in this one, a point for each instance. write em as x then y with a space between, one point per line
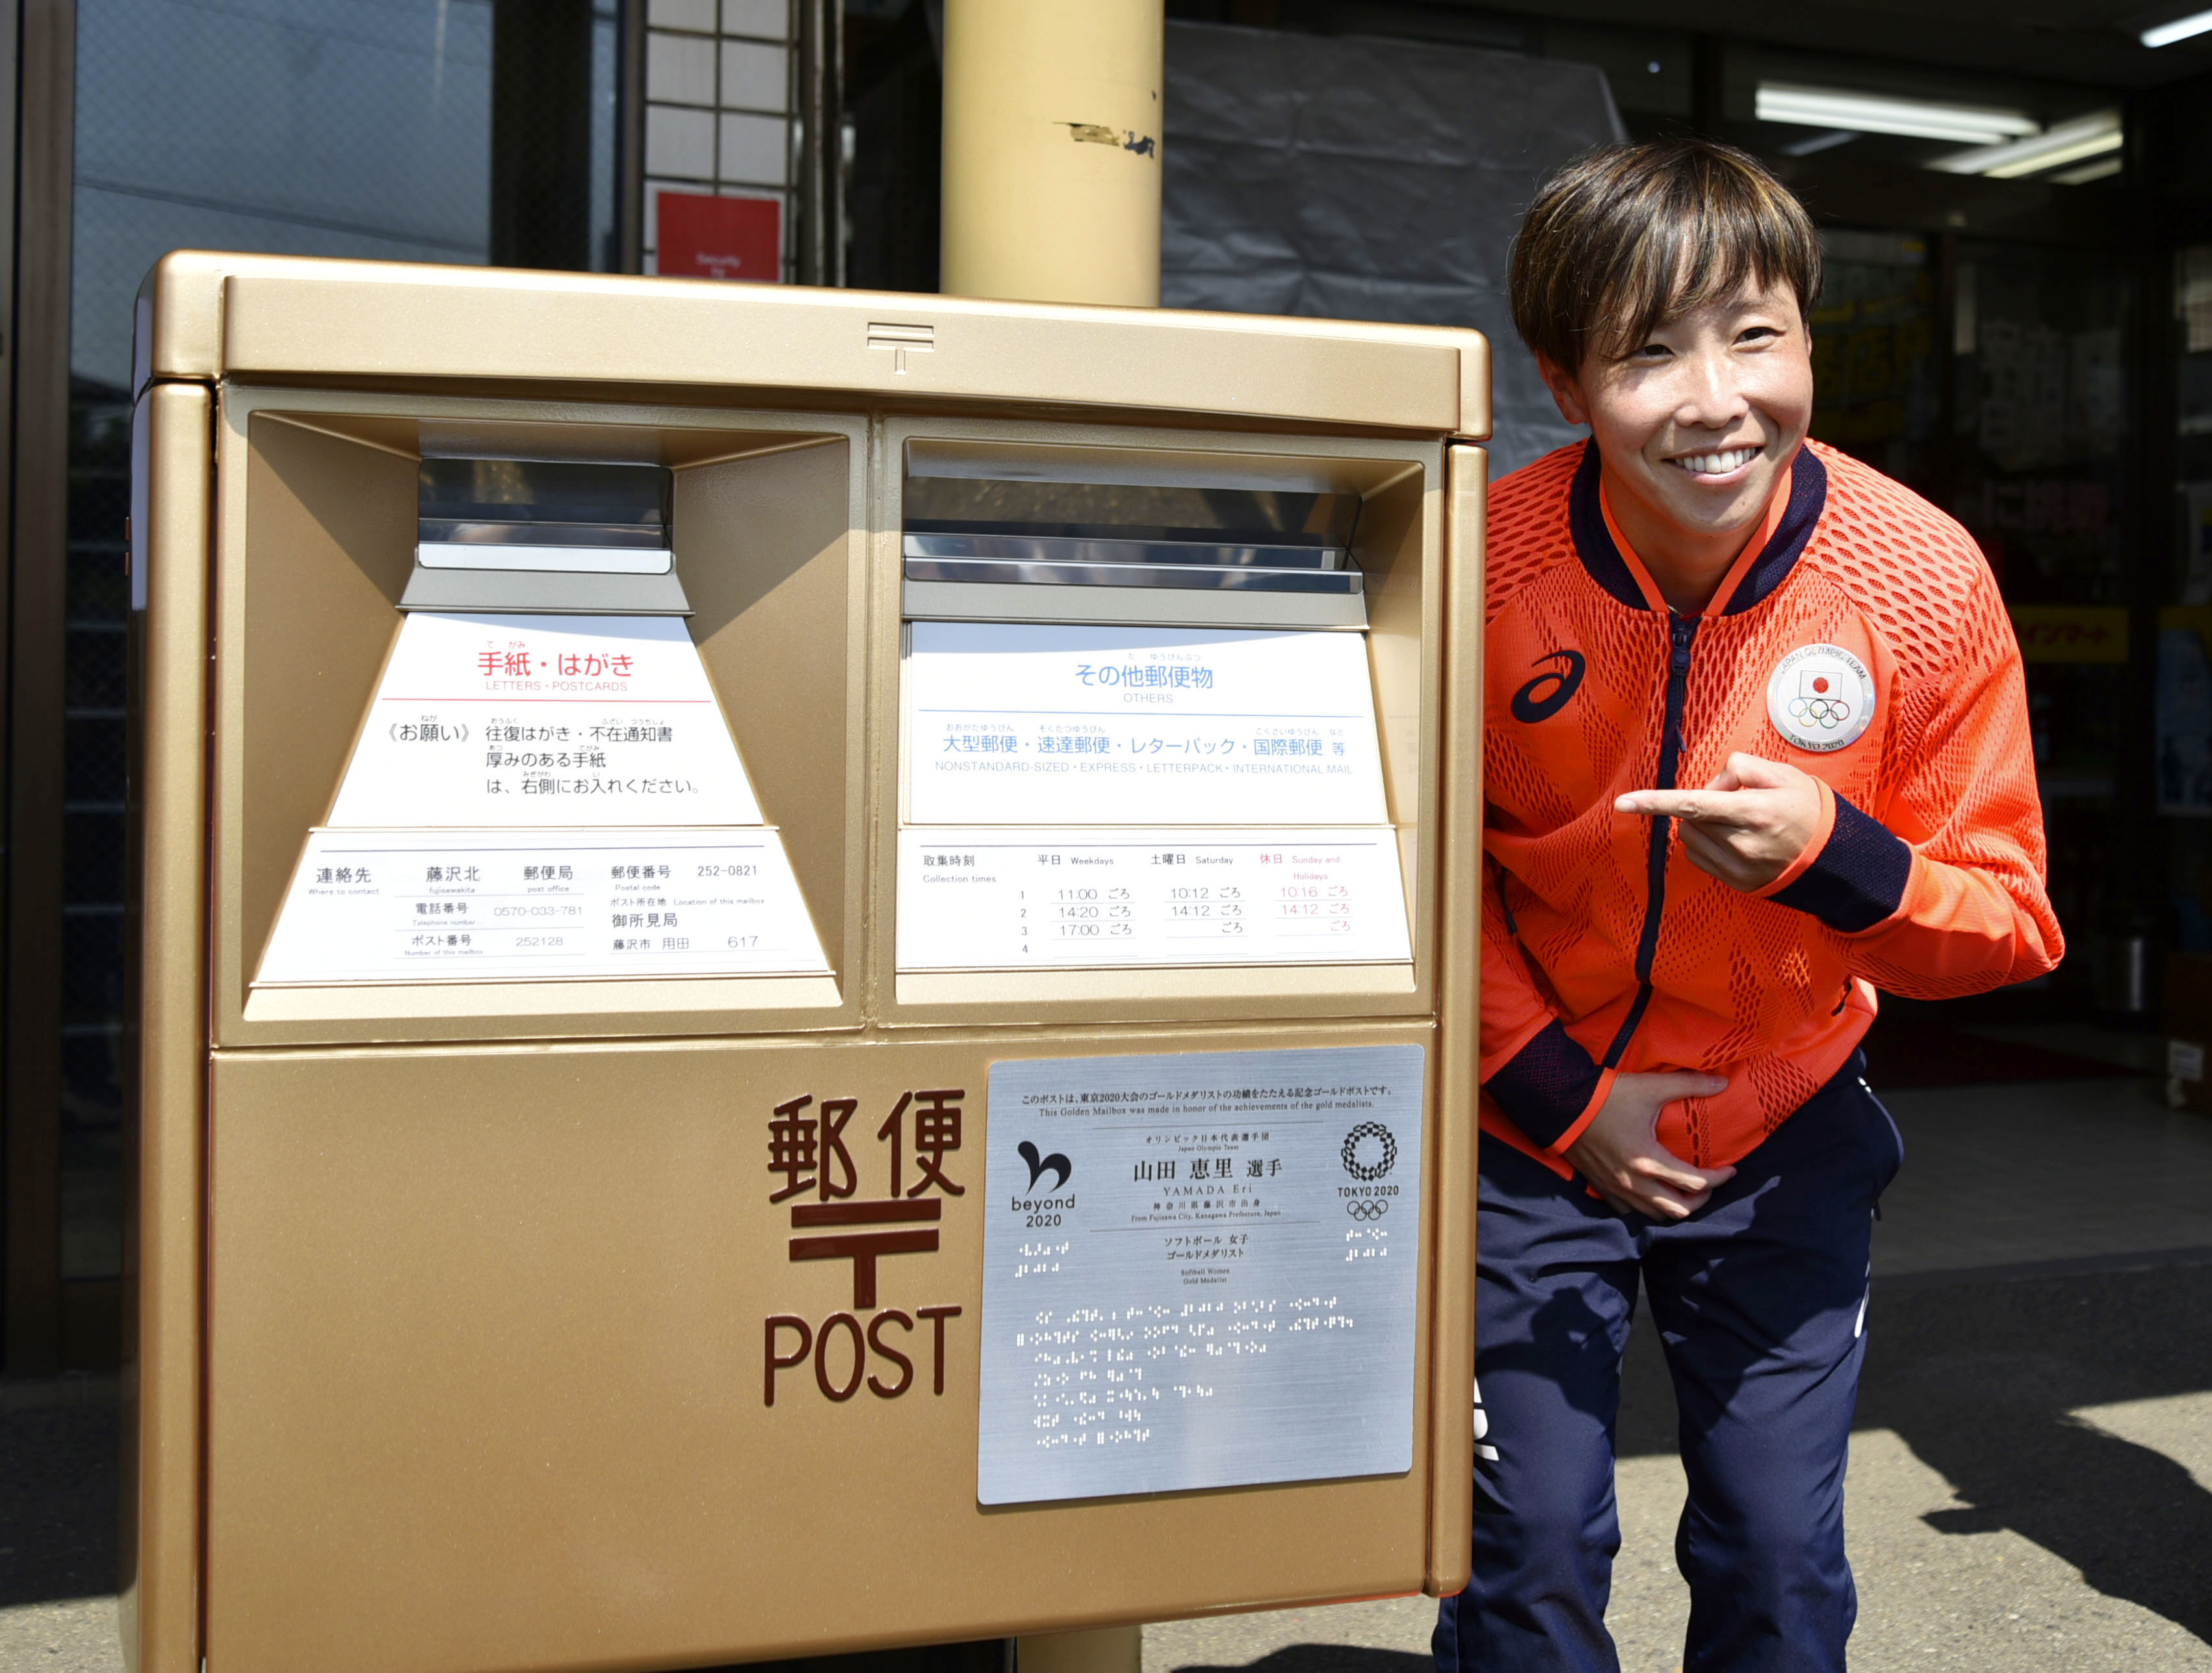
1820 697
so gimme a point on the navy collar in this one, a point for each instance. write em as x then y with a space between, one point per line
1593 542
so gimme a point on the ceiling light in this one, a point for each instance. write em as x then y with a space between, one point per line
1826 140
2182 29
2083 137
1877 113
2103 169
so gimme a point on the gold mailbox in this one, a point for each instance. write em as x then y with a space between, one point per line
806 966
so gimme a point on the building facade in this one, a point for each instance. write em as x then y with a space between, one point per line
2017 323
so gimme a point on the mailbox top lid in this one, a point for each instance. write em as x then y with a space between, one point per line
205 316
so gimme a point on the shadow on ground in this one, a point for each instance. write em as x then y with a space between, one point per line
1324 1658
1982 1381
58 1509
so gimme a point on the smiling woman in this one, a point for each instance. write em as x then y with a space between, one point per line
1755 745
1665 290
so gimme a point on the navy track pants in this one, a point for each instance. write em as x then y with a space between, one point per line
1760 1301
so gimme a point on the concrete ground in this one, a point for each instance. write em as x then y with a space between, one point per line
2031 1477
57 1521
2031 1481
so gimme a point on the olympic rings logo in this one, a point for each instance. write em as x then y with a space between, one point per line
1360 1169
1827 713
1367 1207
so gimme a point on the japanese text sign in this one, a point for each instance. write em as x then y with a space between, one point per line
544 720
1018 723
1200 1270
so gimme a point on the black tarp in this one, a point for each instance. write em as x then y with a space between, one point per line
1353 178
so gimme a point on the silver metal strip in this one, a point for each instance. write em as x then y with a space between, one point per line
1142 607
1183 576
566 560
545 591
548 532
1070 549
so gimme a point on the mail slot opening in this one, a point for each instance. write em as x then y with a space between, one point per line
537 535
1119 534
530 514
1017 530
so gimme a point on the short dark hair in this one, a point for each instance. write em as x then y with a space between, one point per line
1626 237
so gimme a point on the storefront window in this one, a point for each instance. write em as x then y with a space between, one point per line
2039 437
2185 643
303 127
1878 383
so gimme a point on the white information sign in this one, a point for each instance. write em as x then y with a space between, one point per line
544 720
991 898
490 905
1200 1270
1019 723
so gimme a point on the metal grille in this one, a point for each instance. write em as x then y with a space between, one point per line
92 812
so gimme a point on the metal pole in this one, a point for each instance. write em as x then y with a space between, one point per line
629 137
821 155
1100 1650
1052 150
1052 194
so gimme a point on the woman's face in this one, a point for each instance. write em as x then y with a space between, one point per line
1698 422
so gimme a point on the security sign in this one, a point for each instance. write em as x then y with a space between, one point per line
1820 697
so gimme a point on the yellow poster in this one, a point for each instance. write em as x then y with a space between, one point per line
2071 632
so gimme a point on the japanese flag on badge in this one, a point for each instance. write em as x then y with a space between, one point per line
1820 697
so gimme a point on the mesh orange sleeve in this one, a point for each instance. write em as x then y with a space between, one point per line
1974 912
1537 1075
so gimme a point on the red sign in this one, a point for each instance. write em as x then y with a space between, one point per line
702 237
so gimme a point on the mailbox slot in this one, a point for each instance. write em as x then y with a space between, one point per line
1106 534
1025 533
544 537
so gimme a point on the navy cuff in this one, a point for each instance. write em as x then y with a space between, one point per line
1858 878
1547 1086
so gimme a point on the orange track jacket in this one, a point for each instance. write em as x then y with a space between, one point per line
1860 638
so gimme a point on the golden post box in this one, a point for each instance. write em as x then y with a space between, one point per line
804 967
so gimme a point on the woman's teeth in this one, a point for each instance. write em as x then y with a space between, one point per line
1718 465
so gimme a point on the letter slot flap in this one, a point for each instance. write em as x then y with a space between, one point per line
1020 548
543 536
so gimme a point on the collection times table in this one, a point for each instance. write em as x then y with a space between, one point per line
995 898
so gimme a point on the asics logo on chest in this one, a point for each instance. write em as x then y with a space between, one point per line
1547 694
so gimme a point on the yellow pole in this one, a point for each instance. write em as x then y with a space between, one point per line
1101 1650
1052 194
1052 150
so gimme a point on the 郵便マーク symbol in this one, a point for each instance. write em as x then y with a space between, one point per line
1041 1165
1367 1207
1370 1151
1531 705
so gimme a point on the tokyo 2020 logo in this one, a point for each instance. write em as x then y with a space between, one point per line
1820 697
1371 1150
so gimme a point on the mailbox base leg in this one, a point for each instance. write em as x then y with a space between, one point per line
1103 1650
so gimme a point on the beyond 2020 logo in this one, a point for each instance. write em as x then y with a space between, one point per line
1056 1163
1820 697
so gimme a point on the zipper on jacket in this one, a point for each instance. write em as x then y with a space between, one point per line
1681 630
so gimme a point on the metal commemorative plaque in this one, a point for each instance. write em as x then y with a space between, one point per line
1200 1270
